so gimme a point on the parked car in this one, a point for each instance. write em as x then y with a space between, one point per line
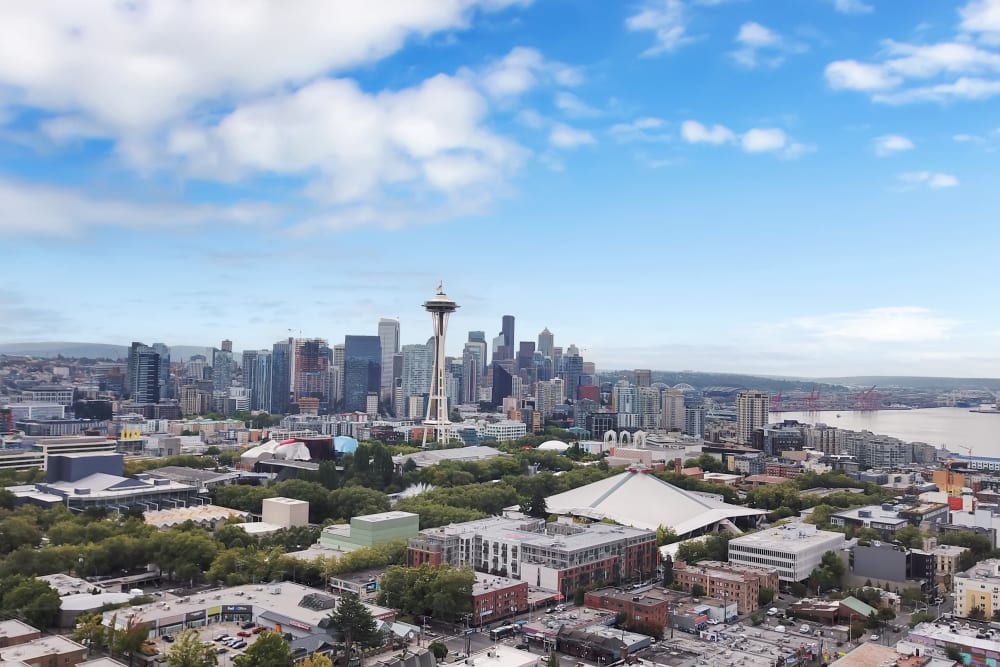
221 650
246 625
259 629
244 633
221 636
240 644
874 638
168 638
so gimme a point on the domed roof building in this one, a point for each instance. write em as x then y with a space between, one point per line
553 446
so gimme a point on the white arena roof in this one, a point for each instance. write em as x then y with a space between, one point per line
640 499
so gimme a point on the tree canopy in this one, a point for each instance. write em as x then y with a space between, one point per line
270 650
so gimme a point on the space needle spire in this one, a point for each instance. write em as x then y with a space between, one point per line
440 307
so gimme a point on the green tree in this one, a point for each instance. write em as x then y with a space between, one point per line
128 639
439 650
316 660
270 650
886 614
16 531
91 632
33 600
921 617
354 623
765 596
188 651
910 537
552 660
183 554
697 591
668 570
537 507
953 653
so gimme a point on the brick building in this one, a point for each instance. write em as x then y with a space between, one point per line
495 597
725 581
650 608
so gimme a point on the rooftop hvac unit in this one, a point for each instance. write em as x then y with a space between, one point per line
81 491
161 482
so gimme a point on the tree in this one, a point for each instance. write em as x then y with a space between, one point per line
765 596
91 632
128 639
873 621
910 537
552 660
977 613
953 653
886 614
668 571
355 624
188 651
270 650
439 650
537 507
33 600
697 591
316 660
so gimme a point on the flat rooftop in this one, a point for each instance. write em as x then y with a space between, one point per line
384 516
67 585
942 633
874 512
987 570
727 571
868 654
15 628
488 582
39 648
790 539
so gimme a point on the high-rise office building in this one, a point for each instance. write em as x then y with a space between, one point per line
503 382
338 363
388 335
227 346
281 376
752 412
257 371
643 377
546 342
142 374
418 362
507 329
694 421
362 371
649 408
477 341
311 374
471 374
222 368
166 386
572 369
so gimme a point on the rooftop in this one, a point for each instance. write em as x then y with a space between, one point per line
945 635
15 628
384 516
868 655
638 498
100 662
729 571
67 585
987 570
791 538
196 513
488 582
39 648
524 532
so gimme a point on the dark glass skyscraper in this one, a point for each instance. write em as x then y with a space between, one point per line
281 376
503 383
142 375
362 370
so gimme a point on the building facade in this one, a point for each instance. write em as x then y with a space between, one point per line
793 550
728 581
752 412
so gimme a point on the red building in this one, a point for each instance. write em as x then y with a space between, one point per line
494 598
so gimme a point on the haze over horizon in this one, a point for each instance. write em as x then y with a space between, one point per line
784 188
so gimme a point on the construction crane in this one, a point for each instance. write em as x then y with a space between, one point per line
776 405
867 400
812 401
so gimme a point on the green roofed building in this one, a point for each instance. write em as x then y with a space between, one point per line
371 529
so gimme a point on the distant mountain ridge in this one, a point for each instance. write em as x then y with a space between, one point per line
49 350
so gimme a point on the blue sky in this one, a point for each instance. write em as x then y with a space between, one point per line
803 187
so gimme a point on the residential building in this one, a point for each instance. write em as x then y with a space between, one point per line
142 378
774 439
728 581
888 519
978 588
752 412
222 368
823 438
561 556
257 367
548 395
311 370
794 550
648 408
892 565
694 421
388 335
418 364
871 450
50 394
643 377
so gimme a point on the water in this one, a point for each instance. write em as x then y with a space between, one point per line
955 428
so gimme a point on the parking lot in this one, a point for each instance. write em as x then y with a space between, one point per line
207 635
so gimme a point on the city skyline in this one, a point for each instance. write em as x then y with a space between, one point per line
783 188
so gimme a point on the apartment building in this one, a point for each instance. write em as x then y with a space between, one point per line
728 581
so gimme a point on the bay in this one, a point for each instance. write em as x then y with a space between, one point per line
955 428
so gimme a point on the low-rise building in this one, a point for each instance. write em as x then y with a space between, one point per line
494 598
793 550
695 616
728 581
832 612
978 588
370 530
48 651
206 516
14 632
649 608
977 649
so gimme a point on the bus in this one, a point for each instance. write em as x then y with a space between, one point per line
503 631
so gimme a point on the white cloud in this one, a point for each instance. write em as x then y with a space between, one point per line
522 70
890 144
117 67
667 20
853 75
564 136
37 210
573 106
902 324
930 179
694 132
852 7
982 18
759 45
641 129
950 70
359 150
530 118
763 140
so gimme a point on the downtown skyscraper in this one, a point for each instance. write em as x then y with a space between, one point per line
362 371
388 335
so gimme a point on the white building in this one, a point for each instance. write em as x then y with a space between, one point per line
979 588
793 550
752 412
649 408
59 395
505 430
672 414
35 410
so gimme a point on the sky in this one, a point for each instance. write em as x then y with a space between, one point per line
788 187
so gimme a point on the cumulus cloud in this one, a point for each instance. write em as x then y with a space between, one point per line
573 106
890 144
522 70
667 20
694 132
763 140
966 67
852 7
564 136
930 179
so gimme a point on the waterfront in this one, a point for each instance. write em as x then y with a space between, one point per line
955 428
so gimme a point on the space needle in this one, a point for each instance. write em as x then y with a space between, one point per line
440 307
